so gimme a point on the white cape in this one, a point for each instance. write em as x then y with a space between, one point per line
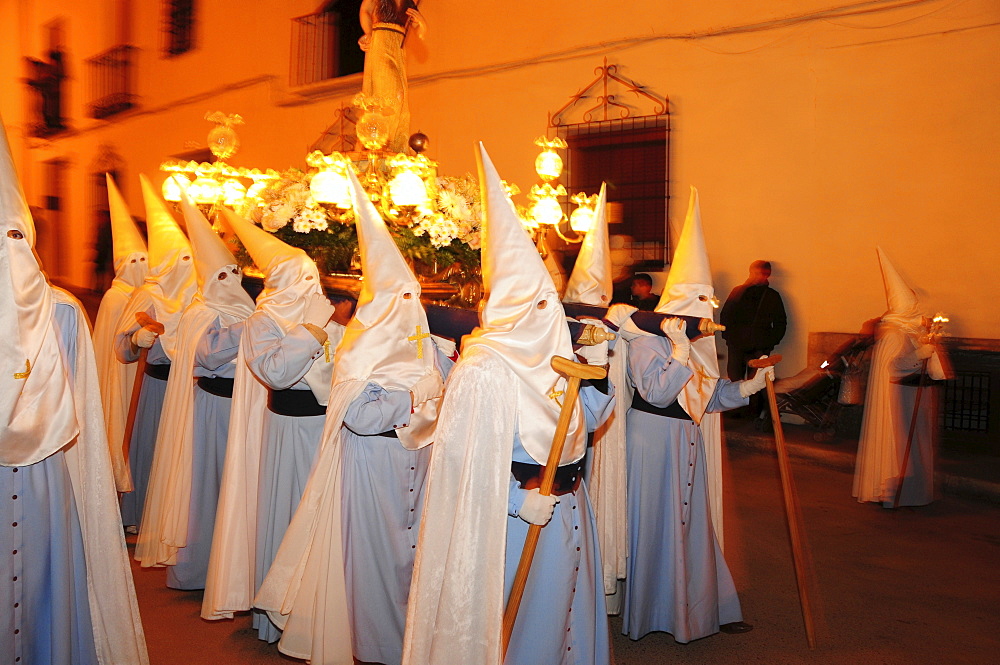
229 586
455 609
608 483
118 632
304 592
116 378
168 496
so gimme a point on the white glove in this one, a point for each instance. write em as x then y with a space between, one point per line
428 387
619 313
676 331
925 351
444 345
537 509
318 310
750 386
144 338
596 354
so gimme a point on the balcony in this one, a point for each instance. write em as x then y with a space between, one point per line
111 75
325 46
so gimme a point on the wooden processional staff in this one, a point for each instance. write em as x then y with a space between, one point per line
574 372
791 508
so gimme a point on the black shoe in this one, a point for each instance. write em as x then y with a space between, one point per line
736 627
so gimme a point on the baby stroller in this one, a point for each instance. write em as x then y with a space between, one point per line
817 395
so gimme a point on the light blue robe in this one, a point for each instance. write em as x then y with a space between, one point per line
289 445
562 618
213 358
45 616
147 422
677 580
382 501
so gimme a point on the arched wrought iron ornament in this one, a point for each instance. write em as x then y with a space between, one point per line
605 75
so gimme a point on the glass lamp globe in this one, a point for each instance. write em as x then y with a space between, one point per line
546 212
407 189
582 219
223 142
173 186
373 130
205 191
548 165
233 192
253 192
331 187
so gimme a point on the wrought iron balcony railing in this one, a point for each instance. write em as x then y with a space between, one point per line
111 76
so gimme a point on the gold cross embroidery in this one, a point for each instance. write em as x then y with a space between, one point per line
326 350
26 373
418 337
555 395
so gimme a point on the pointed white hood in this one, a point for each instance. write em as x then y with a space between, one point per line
904 309
590 282
130 256
37 415
171 282
289 273
689 291
523 321
388 339
219 284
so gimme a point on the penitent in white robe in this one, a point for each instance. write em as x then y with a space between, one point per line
289 443
116 377
67 568
888 410
677 581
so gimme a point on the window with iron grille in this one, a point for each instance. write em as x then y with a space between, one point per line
967 402
180 26
111 81
325 44
630 155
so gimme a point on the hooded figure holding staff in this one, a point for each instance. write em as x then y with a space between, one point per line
131 265
678 581
168 289
905 356
495 431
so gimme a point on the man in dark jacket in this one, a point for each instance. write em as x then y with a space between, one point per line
755 322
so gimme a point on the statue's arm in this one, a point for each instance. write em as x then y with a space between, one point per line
418 22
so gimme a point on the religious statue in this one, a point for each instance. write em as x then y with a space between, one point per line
386 23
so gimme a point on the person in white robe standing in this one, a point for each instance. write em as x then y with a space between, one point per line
168 289
179 515
280 391
131 265
902 344
66 590
677 580
348 553
494 433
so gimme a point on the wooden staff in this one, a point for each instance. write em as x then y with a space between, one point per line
909 436
791 511
145 321
574 372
